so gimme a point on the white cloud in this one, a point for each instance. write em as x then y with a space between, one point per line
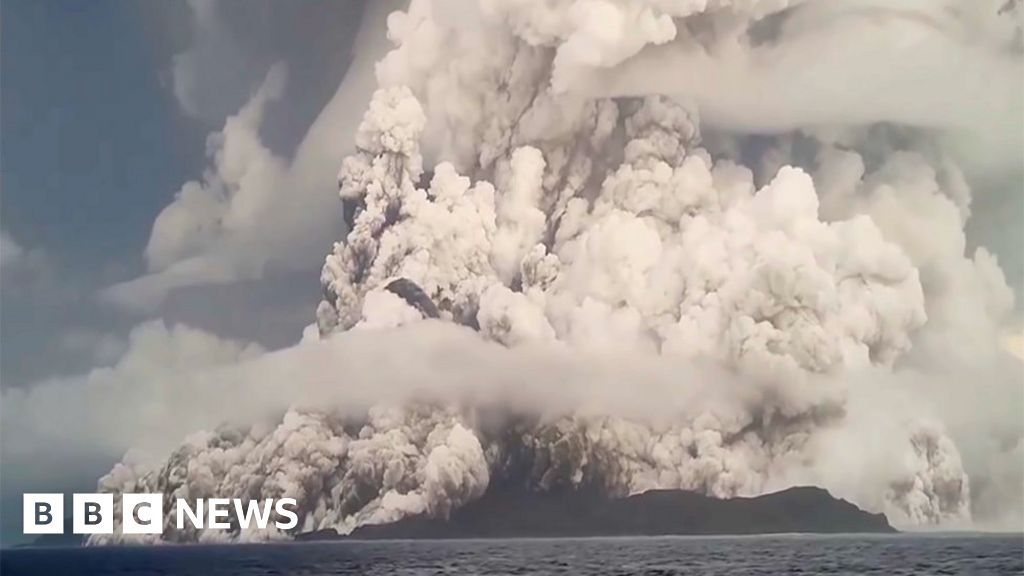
109 409
10 251
102 349
254 209
587 271
953 66
176 382
214 73
1014 343
21 264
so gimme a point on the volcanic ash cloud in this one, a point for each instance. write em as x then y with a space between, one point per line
803 283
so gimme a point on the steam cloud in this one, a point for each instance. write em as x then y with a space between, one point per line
785 285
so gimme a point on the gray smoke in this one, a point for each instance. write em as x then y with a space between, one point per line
532 172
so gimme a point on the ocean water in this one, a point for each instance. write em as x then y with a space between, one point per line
891 555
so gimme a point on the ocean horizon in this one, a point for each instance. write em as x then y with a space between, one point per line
974 553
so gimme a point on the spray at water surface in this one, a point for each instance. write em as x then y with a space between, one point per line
762 236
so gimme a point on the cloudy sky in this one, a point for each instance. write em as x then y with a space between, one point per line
123 123
105 114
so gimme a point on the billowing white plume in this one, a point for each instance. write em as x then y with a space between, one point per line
512 177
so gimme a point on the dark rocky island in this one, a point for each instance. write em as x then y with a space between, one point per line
511 513
518 514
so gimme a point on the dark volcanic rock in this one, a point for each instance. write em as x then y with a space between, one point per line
328 534
413 295
508 513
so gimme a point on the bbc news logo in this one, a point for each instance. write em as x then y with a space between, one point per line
144 513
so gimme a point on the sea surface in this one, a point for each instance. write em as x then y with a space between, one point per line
900 554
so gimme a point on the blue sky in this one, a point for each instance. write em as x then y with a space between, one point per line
93 146
94 143
102 120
